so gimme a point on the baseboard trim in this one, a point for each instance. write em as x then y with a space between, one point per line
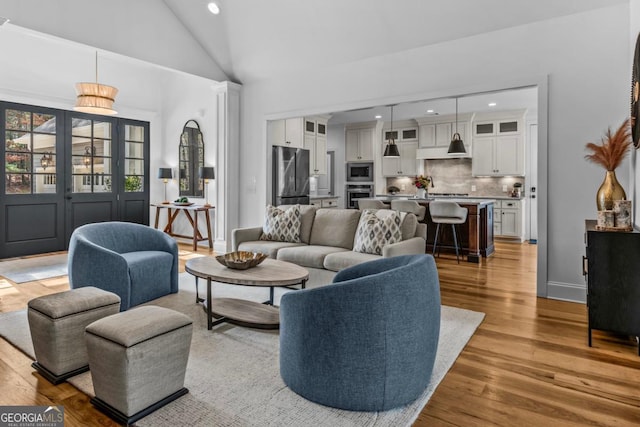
567 292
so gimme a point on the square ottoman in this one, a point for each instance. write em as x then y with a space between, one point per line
57 324
138 360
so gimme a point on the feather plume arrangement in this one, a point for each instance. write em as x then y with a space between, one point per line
612 149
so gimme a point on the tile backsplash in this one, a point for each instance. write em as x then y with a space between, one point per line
454 176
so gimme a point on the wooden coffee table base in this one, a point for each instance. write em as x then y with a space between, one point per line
244 313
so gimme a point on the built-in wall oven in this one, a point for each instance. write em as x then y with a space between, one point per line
357 191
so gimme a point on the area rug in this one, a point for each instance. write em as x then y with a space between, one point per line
233 373
36 268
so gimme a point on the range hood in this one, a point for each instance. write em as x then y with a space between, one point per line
441 153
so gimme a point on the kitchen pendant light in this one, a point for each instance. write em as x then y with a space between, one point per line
391 150
95 98
456 146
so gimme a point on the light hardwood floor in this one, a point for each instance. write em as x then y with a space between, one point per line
527 365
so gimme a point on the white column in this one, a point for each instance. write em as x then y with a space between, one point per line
227 167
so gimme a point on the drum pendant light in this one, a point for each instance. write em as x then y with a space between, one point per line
456 146
391 150
95 98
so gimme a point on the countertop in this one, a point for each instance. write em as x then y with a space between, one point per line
411 197
460 200
319 197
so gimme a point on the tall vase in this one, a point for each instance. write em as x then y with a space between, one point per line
609 191
421 193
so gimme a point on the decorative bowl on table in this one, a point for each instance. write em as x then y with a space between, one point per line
182 203
241 260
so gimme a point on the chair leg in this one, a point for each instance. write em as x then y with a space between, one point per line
435 240
455 242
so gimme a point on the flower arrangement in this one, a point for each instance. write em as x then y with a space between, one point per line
421 181
613 148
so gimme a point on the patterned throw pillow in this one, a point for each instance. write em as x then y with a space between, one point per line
373 232
282 225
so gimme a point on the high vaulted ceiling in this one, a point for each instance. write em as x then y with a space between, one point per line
259 39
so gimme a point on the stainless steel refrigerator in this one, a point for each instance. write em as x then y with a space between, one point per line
290 176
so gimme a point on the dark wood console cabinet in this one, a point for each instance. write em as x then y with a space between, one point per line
612 271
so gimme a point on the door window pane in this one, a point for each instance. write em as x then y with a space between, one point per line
18 120
30 147
18 183
134 159
133 183
44 183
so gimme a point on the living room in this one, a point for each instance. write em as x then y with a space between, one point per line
579 60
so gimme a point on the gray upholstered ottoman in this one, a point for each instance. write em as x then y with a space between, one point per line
138 360
57 323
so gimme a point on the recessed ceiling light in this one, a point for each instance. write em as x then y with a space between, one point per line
429 111
213 8
378 116
492 104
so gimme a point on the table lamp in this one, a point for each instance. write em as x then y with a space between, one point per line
165 174
206 173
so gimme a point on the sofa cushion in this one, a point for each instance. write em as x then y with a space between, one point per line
340 260
408 222
335 227
308 256
375 231
266 247
282 225
307 214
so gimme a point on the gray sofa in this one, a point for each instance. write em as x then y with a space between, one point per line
327 241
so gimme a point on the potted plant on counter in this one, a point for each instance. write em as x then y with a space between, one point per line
422 184
609 154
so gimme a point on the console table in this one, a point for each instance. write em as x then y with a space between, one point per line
612 272
191 212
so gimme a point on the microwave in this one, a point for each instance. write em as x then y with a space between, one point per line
360 172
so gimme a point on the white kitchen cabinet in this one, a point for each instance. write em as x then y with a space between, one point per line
498 156
405 165
359 145
435 135
286 132
509 219
317 147
405 134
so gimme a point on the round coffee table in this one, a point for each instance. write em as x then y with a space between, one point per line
270 273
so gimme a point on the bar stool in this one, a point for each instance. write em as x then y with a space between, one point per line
447 212
410 206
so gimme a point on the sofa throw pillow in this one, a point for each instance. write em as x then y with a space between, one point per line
282 225
375 232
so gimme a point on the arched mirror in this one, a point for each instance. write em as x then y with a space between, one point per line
191 159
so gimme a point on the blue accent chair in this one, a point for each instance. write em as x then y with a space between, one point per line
367 342
136 262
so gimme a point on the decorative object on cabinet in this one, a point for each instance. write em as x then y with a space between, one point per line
456 146
635 94
622 214
391 150
613 295
95 98
609 154
206 173
165 174
190 158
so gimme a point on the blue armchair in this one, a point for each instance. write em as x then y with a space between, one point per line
136 262
367 342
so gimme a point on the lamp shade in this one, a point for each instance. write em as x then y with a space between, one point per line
391 150
165 173
206 172
456 146
95 98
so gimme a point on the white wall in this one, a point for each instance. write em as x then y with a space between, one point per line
585 57
41 70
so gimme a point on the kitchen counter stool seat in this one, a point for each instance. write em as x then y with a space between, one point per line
409 206
447 212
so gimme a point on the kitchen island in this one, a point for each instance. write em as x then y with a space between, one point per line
475 235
